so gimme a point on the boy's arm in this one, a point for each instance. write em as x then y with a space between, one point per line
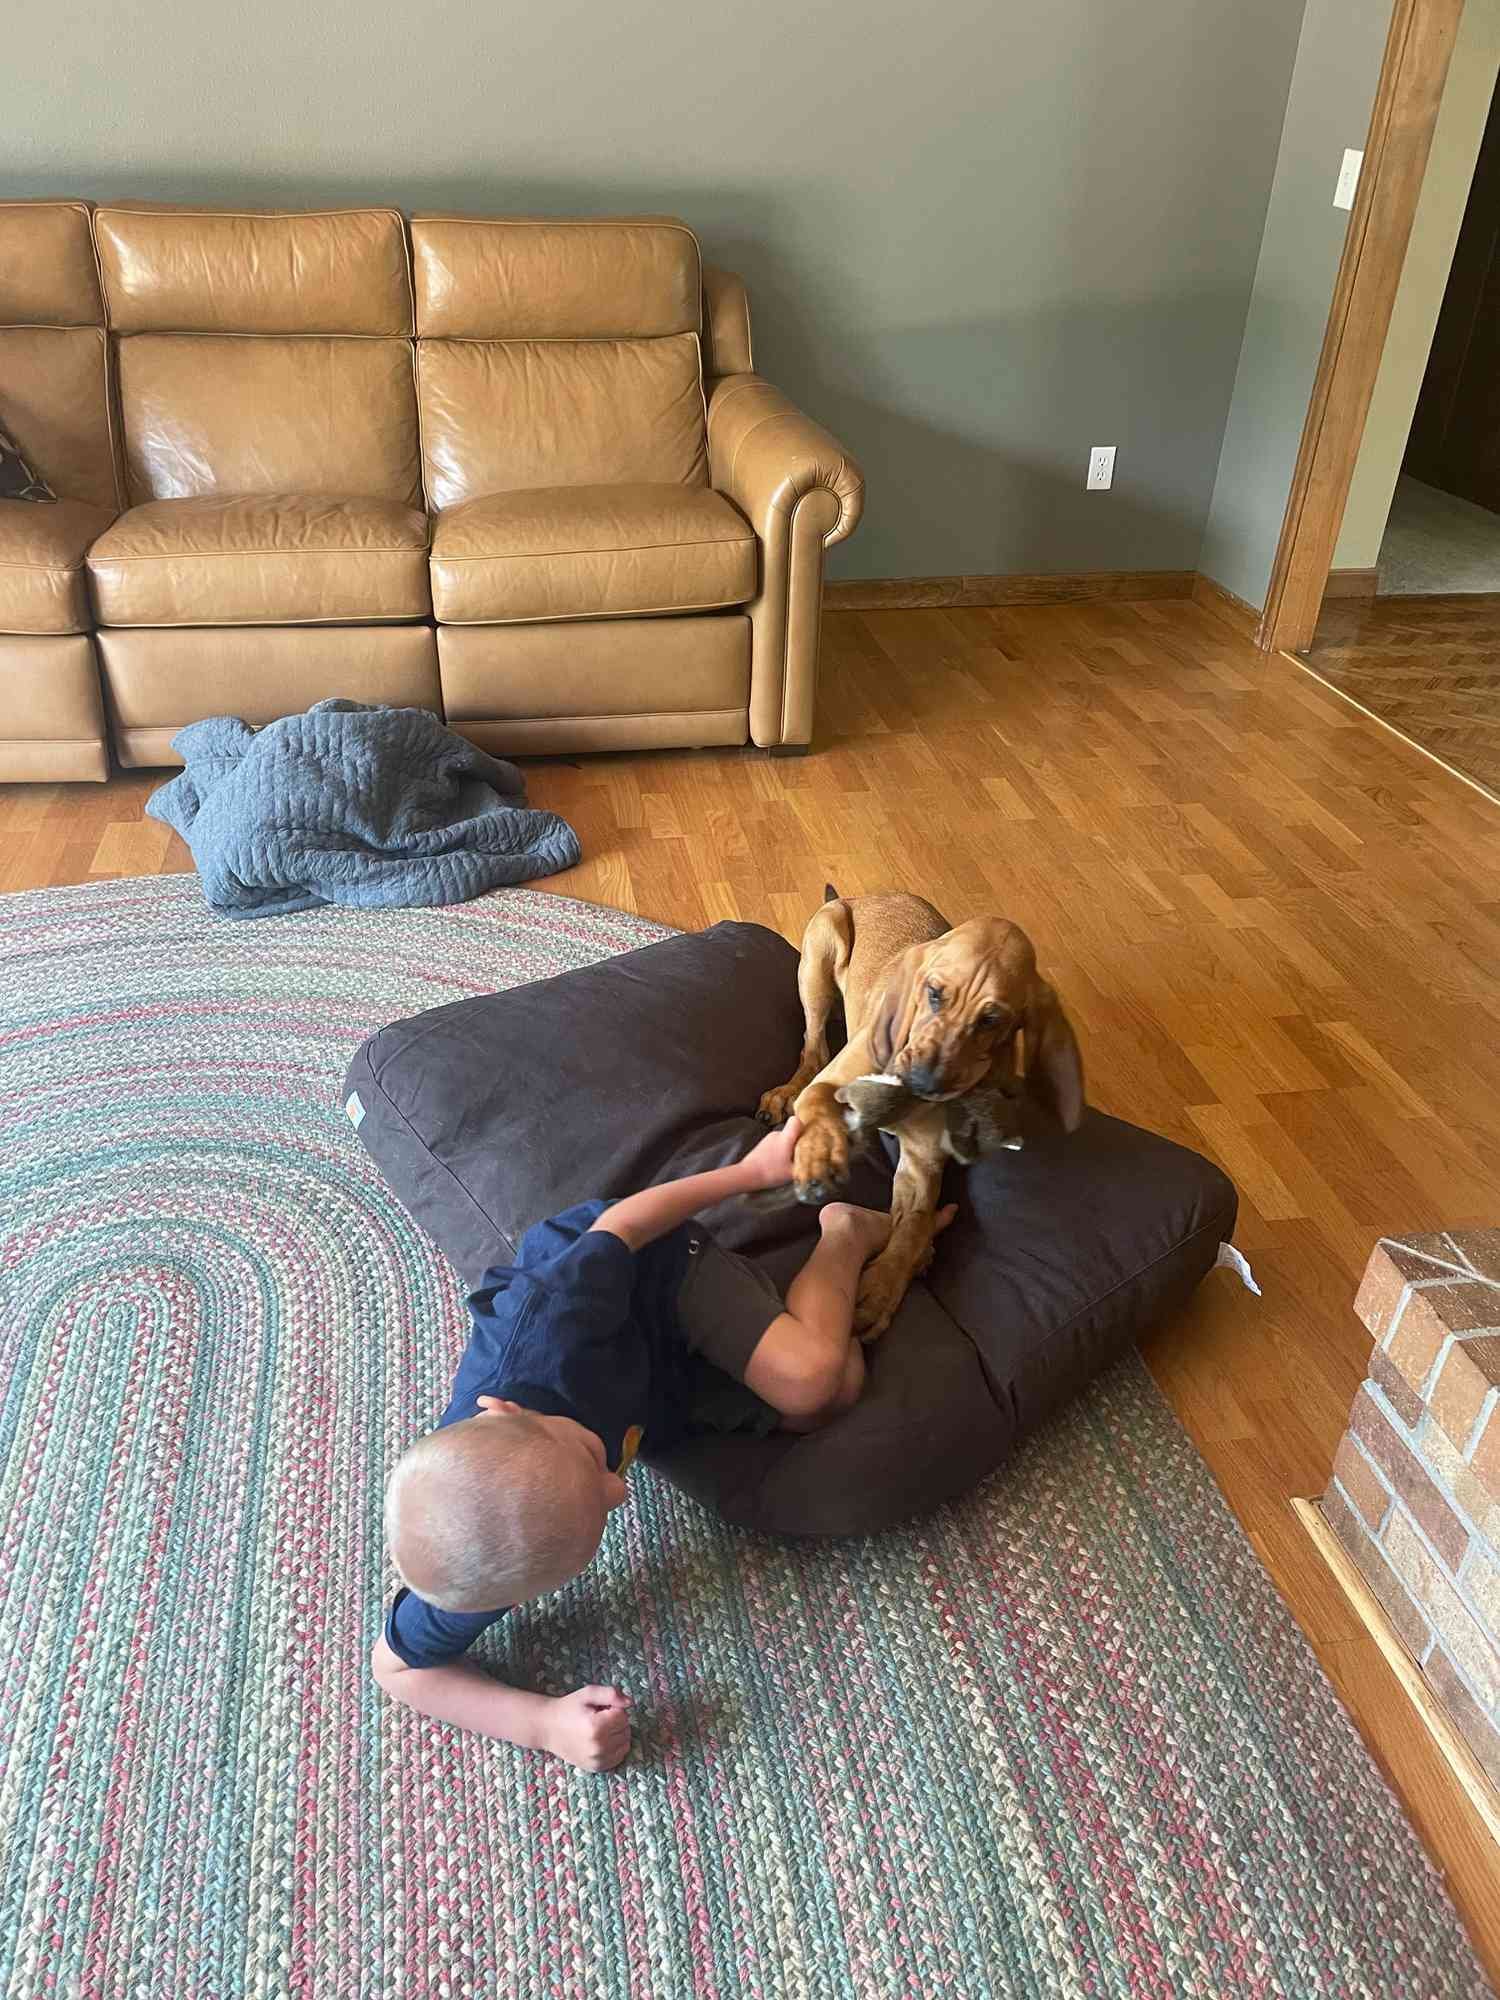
589 1728
640 1218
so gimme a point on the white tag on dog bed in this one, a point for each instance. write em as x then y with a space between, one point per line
355 1109
1230 1259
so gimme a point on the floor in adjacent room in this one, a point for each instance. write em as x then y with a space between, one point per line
1436 543
1274 923
1428 666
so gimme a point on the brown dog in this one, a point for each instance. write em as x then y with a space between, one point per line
944 1012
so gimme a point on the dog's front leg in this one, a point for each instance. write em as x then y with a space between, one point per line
775 1106
826 946
820 1165
914 1200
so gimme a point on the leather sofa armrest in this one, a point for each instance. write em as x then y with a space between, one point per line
766 456
801 493
726 324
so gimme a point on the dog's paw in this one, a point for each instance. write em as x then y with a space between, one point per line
881 1290
820 1165
775 1106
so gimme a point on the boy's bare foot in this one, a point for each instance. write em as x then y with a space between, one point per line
843 1221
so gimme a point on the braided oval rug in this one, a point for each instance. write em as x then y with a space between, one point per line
1061 1740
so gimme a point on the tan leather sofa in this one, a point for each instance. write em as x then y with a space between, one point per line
55 403
517 471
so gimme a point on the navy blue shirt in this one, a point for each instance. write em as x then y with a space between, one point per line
579 1326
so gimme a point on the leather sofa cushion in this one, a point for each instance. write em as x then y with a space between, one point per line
54 401
590 552
42 547
498 415
490 1113
522 278
161 677
47 271
206 414
192 271
282 559
51 714
597 671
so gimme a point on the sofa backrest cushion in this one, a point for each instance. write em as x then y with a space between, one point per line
54 401
47 271
263 353
514 278
502 414
54 367
170 270
557 353
211 413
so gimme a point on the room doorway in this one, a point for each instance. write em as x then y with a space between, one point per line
1387 577
1442 534
1408 97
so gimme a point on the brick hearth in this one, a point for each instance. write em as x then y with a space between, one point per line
1415 1493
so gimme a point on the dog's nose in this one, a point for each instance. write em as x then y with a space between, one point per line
923 1081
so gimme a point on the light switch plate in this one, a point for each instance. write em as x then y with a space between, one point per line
1348 181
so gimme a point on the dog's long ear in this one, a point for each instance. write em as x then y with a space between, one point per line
1054 1064
890 1023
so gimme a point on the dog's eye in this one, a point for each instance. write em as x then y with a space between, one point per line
992 1017
934 997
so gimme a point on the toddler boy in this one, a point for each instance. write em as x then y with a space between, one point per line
616 1322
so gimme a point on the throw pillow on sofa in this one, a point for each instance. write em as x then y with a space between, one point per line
17 480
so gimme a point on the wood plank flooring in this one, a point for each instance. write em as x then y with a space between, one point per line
1430 666
1276 926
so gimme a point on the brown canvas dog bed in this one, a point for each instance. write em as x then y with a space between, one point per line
493 1112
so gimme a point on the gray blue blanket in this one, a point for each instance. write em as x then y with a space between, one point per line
351 804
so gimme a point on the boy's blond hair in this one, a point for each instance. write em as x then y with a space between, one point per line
490 1512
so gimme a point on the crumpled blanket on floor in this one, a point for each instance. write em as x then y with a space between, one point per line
352 804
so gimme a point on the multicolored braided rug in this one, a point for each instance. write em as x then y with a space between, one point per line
1061 1740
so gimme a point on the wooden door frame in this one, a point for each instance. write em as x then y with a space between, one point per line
1415 68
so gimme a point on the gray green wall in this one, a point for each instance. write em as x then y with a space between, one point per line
978 237
1328 108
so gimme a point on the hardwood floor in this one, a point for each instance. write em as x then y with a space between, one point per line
1429 666
1276 925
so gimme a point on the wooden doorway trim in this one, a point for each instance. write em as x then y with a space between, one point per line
1412 75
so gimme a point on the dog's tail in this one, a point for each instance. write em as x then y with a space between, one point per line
830 894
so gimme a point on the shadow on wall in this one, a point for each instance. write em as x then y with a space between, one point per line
1263 435
943 416
957 481
1018 515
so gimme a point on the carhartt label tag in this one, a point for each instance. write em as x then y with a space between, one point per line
355 1109
1230 1259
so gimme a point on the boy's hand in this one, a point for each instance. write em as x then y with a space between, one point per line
589 1728
769 1165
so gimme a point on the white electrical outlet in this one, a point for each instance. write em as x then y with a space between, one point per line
1347 185
1101 468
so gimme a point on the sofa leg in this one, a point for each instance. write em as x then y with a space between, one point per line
789 749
